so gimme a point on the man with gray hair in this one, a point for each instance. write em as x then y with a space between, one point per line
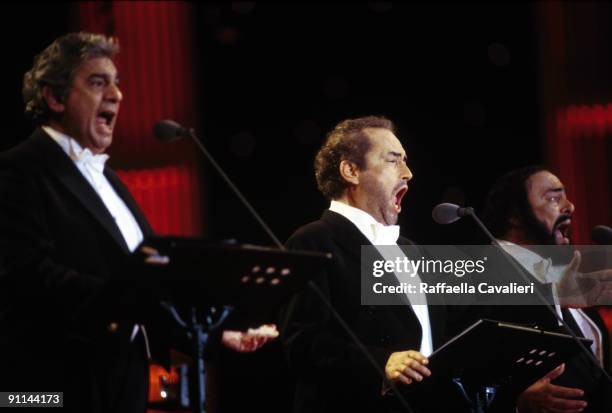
67 229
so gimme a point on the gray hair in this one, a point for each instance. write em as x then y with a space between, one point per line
55 67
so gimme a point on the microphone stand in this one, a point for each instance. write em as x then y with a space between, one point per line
200 332
527 278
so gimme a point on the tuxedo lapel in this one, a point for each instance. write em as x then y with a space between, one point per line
595 316
60 165
349 237
345 233
129 200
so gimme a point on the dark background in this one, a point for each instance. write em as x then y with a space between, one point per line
460 81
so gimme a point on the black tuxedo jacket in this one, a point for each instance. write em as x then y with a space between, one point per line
332 373
579 371
66 314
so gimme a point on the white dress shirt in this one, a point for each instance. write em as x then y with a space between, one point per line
543 270
386 235
92 168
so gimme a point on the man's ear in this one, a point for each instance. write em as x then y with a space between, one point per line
52 100
349 172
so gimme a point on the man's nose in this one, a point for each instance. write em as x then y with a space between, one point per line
568 207
406 173
114 93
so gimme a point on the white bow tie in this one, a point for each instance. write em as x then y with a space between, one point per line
385 234
96 162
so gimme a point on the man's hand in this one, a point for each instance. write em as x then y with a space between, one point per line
252 340
578 290
407 366
545 397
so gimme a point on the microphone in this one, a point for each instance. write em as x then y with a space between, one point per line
602 235
169 130
447 213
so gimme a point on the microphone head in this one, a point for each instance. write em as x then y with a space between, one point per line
168 130
445 213
602 235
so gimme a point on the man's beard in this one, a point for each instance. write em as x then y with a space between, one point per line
537 232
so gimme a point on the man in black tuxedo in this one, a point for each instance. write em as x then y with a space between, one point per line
528 207
362 169
69 317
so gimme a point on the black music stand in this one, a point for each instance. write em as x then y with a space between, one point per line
492 354
252 280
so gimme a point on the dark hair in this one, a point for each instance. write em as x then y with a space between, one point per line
346 141
55 67
508 199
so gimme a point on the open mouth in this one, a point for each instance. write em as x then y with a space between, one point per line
398 197
105 117
562 231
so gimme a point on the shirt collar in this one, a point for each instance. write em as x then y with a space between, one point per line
75 151
374 231
536 265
